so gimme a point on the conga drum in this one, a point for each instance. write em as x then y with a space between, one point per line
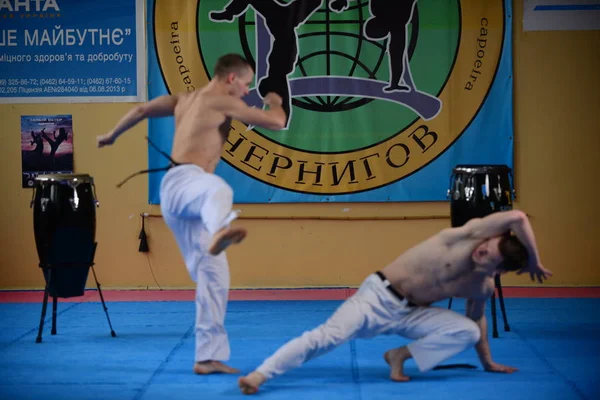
479 190
64 219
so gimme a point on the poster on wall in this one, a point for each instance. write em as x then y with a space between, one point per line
561 15
46 146
72 51
383 98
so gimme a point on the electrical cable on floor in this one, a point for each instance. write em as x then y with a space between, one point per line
152 272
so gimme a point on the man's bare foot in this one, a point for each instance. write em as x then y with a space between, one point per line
250 383
213 367
395 359
225 238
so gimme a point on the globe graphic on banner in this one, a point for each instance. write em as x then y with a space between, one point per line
372 67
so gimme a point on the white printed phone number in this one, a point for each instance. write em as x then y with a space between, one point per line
65 81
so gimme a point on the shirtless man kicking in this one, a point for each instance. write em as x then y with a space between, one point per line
457 262
196 204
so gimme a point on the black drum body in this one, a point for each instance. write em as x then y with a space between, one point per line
479 190
64 219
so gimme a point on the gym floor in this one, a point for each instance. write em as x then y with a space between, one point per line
553 340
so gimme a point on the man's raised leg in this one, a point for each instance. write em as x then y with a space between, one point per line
217 215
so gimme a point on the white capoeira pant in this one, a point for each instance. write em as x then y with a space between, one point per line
195 205
373 310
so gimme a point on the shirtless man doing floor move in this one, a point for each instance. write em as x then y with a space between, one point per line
456 262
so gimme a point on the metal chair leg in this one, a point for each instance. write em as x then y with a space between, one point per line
494 323
501 298
44 305
54 307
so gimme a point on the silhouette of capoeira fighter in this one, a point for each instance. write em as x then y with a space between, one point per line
389 19
39 143
54 144
282 21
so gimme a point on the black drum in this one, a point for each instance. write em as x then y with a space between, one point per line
479 190
64 219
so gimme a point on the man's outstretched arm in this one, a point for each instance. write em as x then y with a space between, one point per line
162 106
274 118
514 221
476 312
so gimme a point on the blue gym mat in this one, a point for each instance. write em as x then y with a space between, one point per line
554 342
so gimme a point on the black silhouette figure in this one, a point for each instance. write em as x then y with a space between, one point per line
282 20
54 144
39 143
389 19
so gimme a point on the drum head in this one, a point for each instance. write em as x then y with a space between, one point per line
481 169
64 178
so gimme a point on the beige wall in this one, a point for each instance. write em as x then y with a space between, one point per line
557 114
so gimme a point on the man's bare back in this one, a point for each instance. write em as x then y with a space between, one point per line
445 265
198 139
439 268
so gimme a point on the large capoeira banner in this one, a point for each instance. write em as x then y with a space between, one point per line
383 97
